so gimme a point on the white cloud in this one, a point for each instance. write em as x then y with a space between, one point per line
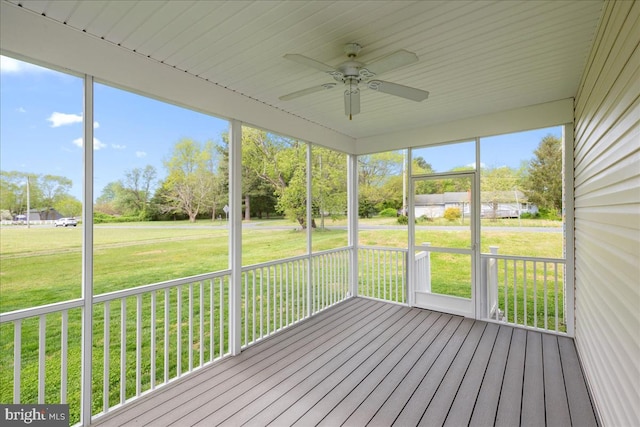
61 119
10 65
21 110
140 154
96 125
118 146
97 144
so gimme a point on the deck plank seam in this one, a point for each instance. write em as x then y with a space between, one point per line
436 316
323 330
429 370
265 377
453 361
373 339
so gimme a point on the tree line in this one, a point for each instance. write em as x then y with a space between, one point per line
274 182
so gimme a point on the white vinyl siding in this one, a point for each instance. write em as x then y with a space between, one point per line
607 216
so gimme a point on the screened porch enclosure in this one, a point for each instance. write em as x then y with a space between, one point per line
452 308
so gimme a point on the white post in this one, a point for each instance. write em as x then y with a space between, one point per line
352 220
569 230
309 219
492 285
235 236
87 254
422 272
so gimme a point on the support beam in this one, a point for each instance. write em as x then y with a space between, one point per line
87 254
352 221
310 299
235 236
569 227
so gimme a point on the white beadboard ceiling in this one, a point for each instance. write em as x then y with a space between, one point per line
475 57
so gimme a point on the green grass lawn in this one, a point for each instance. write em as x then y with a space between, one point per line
42 265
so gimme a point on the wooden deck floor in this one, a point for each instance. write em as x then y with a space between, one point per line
365 362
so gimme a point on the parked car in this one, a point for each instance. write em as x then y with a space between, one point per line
66 222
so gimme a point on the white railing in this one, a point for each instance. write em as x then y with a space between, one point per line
154 334
148 336
382 273
277 294
143 338
524 291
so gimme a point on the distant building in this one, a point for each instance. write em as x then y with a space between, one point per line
495 204
49 214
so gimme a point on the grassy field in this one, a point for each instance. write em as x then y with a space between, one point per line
42 265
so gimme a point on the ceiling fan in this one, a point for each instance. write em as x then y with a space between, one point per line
353 72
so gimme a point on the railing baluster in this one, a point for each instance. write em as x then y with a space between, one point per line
524 290
201 324
555 267
42 346
212 310
535 294
246 309
17 359
515 292
123 350
166 335
253 306
261 305
138 344
286 283
64 346
106 358
152 352
221 317
179 332
190 342
506 292
546 314
275 271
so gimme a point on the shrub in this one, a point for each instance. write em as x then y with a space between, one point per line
452 214
389 213
403 220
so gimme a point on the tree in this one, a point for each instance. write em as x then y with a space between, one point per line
281 163
45 191
189 182
329 183
53 189
68 206
544 182
380 182
498 185
137 189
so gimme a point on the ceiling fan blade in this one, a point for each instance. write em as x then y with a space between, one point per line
398 90
304 60
392 61
307 91
351 102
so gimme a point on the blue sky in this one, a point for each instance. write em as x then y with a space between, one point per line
41 131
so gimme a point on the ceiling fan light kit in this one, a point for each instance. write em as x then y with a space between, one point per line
352 72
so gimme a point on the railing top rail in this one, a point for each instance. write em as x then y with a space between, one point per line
158 286
272 263
293 259
331 251
524 258
383 248
26 313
